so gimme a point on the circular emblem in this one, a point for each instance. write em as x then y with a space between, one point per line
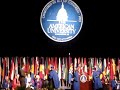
61 20
83 78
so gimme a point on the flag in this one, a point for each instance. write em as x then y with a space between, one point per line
27 65
90 69
52 61
0 70
95 63
32 66
41 68
85 66
56 64
12 70
66 69
108 68
79 66
111 70
78 60
100 67
119 67
6 68
59 71
36 66
104 68
46 68
114 66
49 64
16 65
75 62
63 68
24 64
3 70
82 65
70 62
100 64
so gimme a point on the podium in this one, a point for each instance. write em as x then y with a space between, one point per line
86 86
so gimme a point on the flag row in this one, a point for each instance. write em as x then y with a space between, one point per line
11 66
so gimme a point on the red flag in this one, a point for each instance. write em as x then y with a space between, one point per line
85 66
49 63
52 61
79 65
111 70
90 70
12 70
78 60
36 66
95 64
56 63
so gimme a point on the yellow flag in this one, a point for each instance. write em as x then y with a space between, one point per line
114 66
32 69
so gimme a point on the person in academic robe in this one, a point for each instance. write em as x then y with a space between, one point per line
96 79
76 80
70 82
114 83
6 83
70 77
54 79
